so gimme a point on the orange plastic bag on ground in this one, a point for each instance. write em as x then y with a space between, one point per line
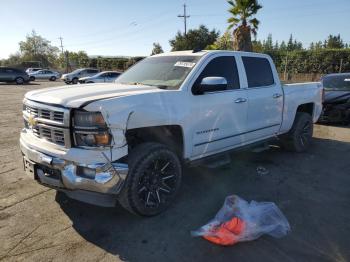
239 220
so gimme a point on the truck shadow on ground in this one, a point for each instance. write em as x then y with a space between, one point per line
298 183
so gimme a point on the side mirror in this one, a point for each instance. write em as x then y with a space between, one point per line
212 84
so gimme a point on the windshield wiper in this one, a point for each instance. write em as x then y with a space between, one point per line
132 83
139 83
158 86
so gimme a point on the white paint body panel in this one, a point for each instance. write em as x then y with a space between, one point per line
210 123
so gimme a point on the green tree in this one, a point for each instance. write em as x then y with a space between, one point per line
293 44
157 49
225 42
290 44
75 59
268 44
244 22
194 39
14 59
334 42
318 45
37 48
258 46
283 46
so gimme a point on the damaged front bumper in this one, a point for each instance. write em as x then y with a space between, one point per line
105 178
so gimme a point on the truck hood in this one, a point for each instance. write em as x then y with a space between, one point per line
78 95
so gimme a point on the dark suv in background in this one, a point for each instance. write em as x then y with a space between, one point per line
9 74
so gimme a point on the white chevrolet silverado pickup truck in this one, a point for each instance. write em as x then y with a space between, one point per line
128 141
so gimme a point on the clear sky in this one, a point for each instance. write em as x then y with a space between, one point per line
129 27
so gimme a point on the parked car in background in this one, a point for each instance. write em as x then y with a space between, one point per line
336 105
103 77
44 74
33 69
73 77
9 74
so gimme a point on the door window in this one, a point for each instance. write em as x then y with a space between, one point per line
114 74
258 71
223 66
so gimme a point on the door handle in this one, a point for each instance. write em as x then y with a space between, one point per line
240 100
276 95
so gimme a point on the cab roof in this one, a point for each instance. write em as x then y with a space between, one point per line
203 52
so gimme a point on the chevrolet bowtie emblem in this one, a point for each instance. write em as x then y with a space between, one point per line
32 121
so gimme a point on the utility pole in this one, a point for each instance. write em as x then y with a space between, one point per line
61 39
64 54
184 16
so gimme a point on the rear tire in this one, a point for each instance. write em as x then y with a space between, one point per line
153 181
74 81
19 81
298 139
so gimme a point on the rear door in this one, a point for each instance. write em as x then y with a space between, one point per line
219 117
265 98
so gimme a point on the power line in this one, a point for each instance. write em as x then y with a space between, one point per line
184 16
150 23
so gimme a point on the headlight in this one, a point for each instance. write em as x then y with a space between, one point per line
90 129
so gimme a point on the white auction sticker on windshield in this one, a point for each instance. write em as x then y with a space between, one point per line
185 64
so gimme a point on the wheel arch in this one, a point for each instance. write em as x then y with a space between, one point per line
306 108
170 135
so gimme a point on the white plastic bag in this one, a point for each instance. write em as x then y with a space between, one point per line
239 220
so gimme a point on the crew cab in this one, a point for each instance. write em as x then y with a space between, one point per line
128 141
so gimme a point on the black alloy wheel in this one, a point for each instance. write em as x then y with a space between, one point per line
153 181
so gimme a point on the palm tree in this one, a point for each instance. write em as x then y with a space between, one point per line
244 22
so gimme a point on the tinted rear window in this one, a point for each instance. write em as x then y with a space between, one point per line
336 82
258 71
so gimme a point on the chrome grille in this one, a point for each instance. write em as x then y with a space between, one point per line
57 116
47 122
50 134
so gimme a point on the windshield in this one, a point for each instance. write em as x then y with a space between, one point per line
339 82
77 71
166 72
101 74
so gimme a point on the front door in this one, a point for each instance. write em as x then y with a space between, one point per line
219 118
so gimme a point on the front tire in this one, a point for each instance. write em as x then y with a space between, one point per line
75 81
32 78
299 137
153 181
53 78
